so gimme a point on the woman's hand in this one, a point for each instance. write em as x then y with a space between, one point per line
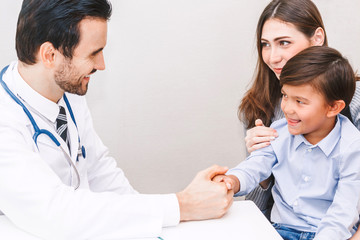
259 136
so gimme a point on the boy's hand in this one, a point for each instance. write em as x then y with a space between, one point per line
231 182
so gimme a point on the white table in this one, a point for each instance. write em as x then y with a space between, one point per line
243 221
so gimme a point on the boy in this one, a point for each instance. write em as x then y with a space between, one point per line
316 158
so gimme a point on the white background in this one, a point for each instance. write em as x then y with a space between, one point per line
166 105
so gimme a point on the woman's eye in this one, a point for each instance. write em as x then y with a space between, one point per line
265 44
284 43
300 102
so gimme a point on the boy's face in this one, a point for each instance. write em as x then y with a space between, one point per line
306 112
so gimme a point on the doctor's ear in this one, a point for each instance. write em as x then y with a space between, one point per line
47 54
335 108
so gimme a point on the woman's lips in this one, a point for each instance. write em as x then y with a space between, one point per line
277 70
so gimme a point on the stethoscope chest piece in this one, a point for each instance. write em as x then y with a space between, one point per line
83 151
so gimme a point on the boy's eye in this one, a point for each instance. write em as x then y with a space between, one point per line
300 102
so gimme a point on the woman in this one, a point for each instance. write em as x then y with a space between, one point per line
285 28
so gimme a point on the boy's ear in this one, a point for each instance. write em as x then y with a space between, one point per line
335 108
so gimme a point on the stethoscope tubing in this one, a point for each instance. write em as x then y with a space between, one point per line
38 131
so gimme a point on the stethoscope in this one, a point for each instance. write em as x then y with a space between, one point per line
38 131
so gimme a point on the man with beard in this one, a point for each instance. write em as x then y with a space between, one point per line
56 178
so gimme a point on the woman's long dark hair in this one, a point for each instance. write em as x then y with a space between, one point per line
263 96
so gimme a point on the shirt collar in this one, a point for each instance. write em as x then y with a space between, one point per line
327 144
36 101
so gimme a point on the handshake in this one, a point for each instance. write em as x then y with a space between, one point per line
209 195
231 182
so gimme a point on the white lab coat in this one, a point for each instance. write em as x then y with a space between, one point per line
37 184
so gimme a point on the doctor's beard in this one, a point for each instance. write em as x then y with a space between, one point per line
69 79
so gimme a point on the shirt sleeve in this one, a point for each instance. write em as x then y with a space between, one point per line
254 169
343 213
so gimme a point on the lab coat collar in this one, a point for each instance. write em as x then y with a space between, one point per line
36 101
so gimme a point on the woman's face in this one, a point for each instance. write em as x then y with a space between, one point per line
281 41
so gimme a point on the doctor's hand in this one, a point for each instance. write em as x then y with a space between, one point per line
204 198
259 136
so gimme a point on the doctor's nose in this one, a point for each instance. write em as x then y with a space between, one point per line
99 62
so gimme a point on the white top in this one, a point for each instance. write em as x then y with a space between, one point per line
37 183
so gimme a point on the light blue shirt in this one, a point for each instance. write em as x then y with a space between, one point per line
317 187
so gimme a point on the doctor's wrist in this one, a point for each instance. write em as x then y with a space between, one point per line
183 206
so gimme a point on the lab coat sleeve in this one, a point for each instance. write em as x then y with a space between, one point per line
33 197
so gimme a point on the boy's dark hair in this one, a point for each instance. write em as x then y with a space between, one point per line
54 21
325 69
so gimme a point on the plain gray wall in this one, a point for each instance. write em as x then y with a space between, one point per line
166 105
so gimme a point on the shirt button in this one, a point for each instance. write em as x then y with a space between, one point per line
306 178
295 203
309 150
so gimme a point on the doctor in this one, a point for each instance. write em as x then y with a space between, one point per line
56 178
